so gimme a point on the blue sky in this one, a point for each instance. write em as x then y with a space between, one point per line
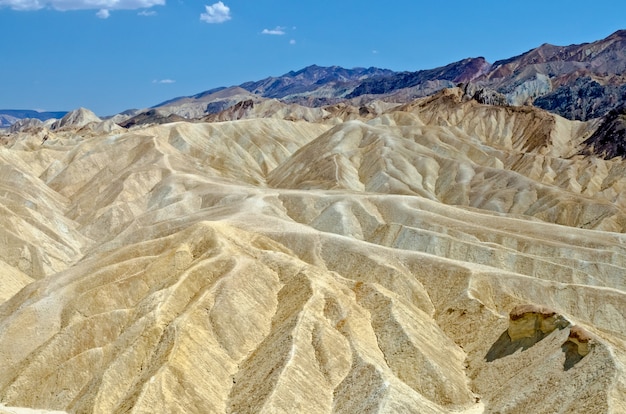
112 55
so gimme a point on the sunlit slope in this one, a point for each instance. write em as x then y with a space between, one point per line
427 260
509 160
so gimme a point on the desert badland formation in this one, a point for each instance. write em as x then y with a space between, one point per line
441 255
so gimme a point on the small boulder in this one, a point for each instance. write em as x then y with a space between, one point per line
581 338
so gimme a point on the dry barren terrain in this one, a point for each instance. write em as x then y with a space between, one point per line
442 256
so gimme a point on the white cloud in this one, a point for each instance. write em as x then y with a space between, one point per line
163 81
147 13
375 52
22 4
292 42
217 13
64 5
103 14
278 31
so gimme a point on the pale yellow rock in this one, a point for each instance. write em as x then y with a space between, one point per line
23 410
528 321
355 264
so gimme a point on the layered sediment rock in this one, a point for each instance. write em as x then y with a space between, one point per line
530 321
443 256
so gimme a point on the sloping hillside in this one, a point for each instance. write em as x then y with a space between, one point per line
441 256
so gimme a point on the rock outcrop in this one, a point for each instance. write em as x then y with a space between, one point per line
609 139
483 95
531 321
150 117
584 98
581 339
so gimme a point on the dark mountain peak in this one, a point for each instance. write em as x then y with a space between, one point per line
583 52
621 34
480 59
462 71
314 72
311 78
309 69
539 54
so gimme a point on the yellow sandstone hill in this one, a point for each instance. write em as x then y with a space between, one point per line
443 256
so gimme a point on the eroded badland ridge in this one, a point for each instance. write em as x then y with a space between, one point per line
448 254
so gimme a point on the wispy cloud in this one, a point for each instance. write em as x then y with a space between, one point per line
147 13
23 4
164 81
216 13
277 31
103 14
63 5
292 42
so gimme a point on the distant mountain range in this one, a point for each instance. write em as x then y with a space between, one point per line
9 116
578 82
